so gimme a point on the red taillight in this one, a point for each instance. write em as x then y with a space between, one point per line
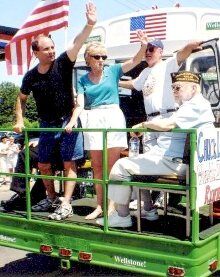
46 249
64 252
216 209
213 265
176 271
84 256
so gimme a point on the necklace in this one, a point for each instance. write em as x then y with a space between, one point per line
95 78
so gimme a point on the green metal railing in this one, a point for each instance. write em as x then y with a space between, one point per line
105 179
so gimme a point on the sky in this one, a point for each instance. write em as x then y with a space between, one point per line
106 9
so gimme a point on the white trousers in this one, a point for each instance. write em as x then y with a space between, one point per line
150 163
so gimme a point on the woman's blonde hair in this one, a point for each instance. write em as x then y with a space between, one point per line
91 47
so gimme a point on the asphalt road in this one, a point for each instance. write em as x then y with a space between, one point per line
16 263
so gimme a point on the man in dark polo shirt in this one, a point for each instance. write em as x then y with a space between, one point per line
50 82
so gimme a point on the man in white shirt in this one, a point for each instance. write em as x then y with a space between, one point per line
155 81
194 111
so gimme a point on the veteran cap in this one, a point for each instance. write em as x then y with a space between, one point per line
186 76
156 42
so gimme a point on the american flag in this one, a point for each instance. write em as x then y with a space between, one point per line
154 25
49 15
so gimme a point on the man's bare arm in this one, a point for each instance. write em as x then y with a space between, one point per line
126 84
165 124
19 112
185 52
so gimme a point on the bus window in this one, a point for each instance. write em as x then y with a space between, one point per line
78 73
131 101
206 65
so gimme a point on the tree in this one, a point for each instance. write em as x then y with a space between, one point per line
8 95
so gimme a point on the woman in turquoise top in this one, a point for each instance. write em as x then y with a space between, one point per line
98 92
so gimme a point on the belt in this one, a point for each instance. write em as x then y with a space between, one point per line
165 111
102 107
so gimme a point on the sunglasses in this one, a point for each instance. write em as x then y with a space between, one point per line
176 87
98 57
150 49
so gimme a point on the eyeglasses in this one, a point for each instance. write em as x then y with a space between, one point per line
150 49
98 57
176 87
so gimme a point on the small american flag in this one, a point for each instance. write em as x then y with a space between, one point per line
154 25
49 15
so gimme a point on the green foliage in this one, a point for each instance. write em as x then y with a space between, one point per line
33 124
8 96
7 125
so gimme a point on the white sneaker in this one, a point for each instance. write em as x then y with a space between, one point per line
159 201
149 215
62 211
114 220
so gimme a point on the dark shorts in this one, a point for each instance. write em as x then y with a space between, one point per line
69 145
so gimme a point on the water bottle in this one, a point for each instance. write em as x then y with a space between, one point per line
85 186
134 145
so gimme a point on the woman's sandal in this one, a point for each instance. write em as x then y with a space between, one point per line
95 214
